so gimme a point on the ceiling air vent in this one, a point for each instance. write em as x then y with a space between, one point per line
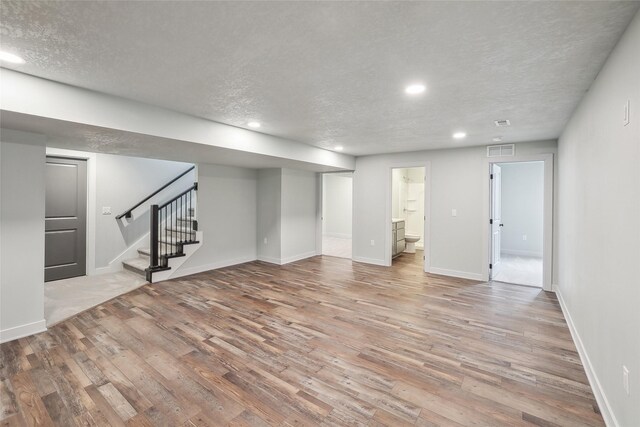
502 123
505 150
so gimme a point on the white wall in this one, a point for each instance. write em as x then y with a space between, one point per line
269 208
522 208
337 204
299 200
599 280
287 208
121 182
226 213
22 197
458 179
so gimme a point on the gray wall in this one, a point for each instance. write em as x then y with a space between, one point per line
337 204
22 197
226 214
522 208
458 178
599 279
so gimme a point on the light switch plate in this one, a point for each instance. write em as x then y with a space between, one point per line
454 212
106 210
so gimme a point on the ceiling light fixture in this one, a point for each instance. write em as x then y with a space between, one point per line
10 57
415 89
459 135
254 125
338 148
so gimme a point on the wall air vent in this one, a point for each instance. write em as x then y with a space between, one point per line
502 123
505 150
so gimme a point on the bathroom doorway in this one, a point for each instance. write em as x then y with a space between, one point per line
408 215
337 207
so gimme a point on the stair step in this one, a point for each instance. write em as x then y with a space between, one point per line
136 265
183 230
144 252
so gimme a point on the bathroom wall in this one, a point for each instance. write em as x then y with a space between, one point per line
408 200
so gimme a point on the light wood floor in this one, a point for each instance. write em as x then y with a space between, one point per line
322 341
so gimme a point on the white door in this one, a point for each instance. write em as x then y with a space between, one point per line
496 217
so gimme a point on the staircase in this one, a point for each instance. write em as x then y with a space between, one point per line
173 236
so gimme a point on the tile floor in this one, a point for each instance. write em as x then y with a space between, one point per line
68 297
336 246
520 270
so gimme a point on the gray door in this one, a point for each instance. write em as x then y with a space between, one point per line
65 218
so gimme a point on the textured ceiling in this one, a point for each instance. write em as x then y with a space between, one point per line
329 73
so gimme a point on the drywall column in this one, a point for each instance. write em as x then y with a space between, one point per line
287 201
599 213
22 202
269 212
298 219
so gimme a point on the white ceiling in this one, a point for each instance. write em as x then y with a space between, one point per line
332 73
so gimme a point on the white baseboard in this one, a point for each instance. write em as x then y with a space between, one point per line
213 266
338 235
601 398
270 260
517 252
298 257
373 261
455 273
21 331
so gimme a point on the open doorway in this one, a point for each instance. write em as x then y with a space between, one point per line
337 207
517 222
407 214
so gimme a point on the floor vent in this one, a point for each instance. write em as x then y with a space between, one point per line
505 150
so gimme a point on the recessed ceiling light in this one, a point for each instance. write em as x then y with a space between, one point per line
415 89
338 148
459 135
497 139
10 57
253 124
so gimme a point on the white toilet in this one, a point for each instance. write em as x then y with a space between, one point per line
410 240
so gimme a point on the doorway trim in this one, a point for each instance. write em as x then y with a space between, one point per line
547 244
91 200
427 211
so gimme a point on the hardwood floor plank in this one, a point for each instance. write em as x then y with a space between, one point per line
322 341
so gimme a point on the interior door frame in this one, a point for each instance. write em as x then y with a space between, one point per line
320 209
90 158
547 245
492 218
427 211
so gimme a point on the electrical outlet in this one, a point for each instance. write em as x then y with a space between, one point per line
625 379
524 237
106 210
373 243
627 112
265 240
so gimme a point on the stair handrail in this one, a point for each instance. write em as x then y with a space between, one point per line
127 213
